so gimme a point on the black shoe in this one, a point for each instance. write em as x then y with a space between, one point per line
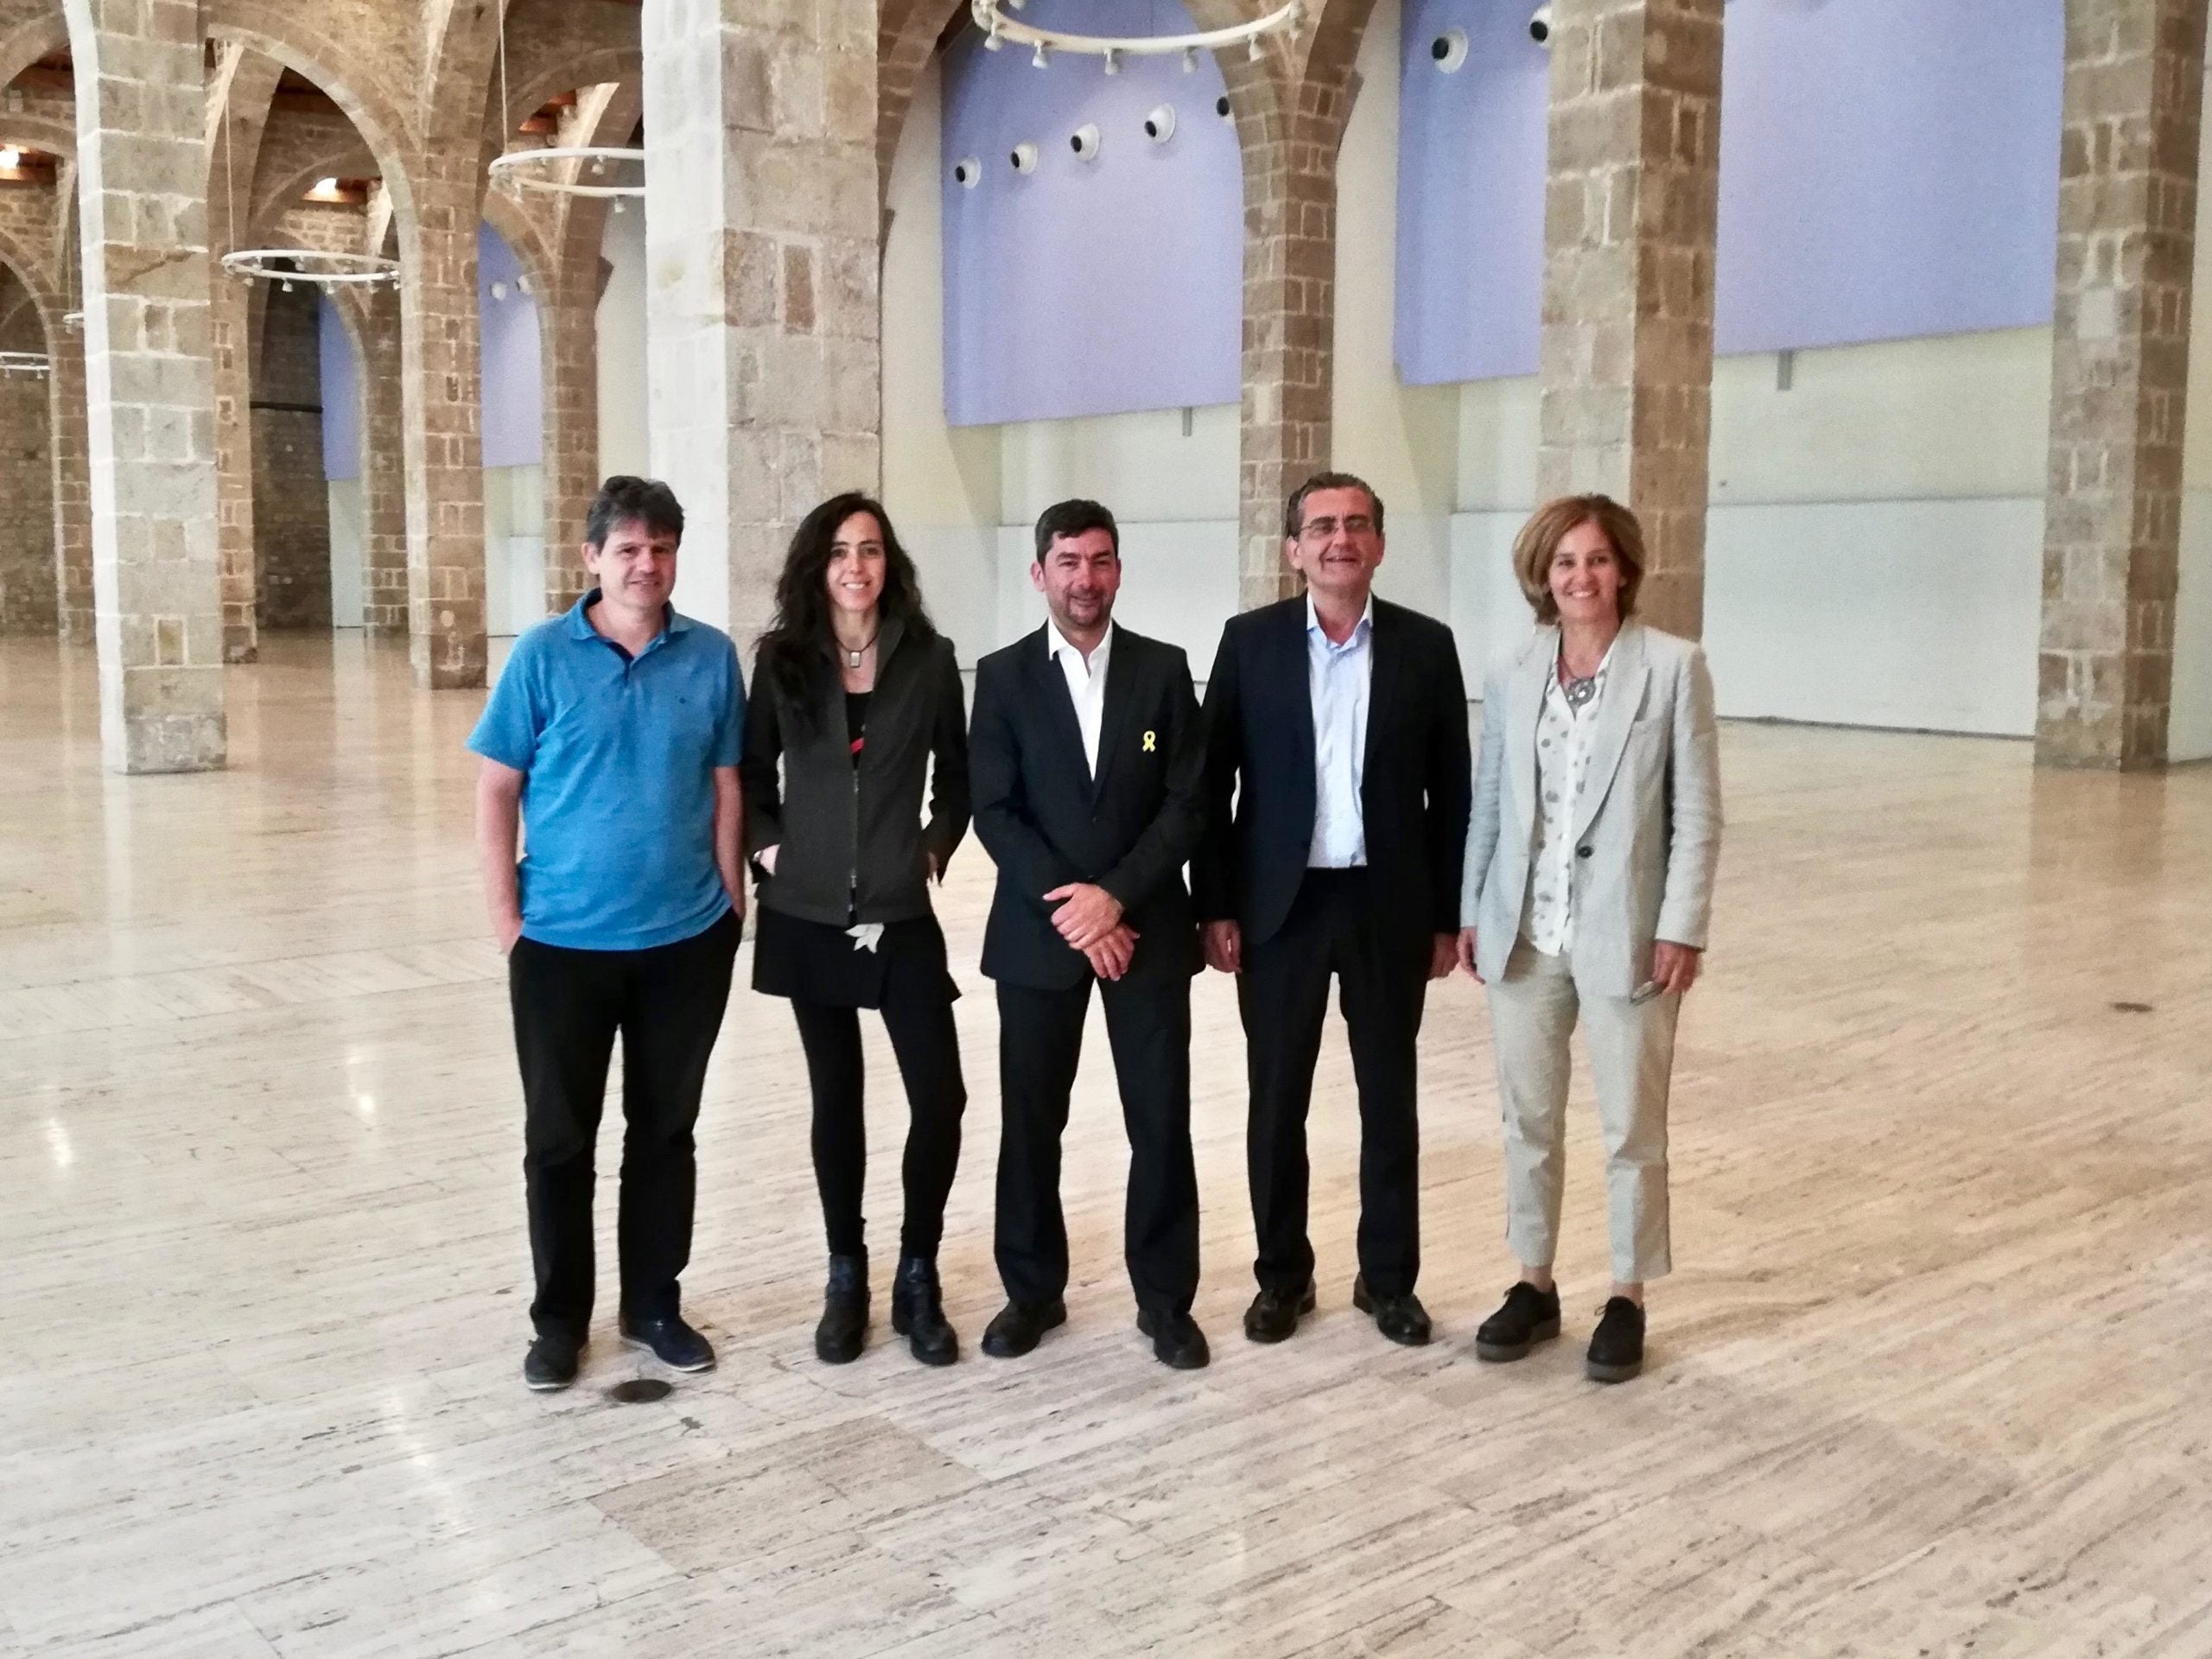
1527 1317
551 1364
843 1330
1176 1342
1274 1314
670 1341
1021 1326
1402 1319
1616 1345
917 1312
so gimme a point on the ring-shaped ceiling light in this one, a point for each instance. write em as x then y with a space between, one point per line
311 266
999 28
25 362
575 171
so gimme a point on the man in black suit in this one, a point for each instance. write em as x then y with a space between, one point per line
1339 723
1087 758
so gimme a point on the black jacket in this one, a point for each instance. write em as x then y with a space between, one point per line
1414 789
1047 824
850 836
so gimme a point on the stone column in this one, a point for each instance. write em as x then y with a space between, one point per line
231 317
762 316
73 495
443 437
1289 125
567 325
384 463
2120 380
1631 197
150 375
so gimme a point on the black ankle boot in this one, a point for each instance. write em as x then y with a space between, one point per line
843 1330
917 1312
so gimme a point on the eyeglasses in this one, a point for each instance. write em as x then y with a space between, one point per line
1323 530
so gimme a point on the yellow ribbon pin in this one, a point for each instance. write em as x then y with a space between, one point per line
1150 741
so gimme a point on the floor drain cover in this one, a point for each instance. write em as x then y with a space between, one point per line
639 1390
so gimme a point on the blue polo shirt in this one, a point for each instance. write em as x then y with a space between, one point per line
618 755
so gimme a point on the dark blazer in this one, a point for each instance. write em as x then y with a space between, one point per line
851 836
1046 823
1414 789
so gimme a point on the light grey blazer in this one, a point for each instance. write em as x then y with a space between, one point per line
1647 829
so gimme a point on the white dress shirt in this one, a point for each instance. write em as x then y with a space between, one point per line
1563 741
1086 685
1339 678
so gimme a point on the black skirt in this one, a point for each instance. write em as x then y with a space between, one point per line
816 963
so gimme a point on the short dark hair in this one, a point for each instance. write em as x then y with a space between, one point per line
623 500
1073 518
1294 513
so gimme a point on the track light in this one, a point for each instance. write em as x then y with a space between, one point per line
1190 60
1043 57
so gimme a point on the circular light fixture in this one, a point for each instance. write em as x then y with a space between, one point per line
968 172
1221 106
1084 142
572 171
1159 125
1024 157
1540 25
997 24
312 266
1448 51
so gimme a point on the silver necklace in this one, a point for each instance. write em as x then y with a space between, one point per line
853 657
1578 692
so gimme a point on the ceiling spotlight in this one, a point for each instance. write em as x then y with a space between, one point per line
498 291
1448 51
992 42
1159 125
968 172
1084 142
1540 25
522 286
325 187
1113 61
11 156
1190 60
1221 106
1253 52
287 286
1024 157
1043 58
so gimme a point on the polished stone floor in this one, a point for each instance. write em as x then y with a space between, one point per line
1931 1379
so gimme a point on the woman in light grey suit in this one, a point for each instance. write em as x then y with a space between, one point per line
1589 860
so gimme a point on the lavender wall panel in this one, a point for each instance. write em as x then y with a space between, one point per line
342 395
1889 168
514 394
1088 287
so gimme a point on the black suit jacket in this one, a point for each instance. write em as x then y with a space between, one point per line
1046 823
1414 789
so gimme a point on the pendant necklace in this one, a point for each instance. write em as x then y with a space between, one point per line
853 657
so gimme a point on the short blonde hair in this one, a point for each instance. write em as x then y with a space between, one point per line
1538 541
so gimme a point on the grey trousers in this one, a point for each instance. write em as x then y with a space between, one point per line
1533 1011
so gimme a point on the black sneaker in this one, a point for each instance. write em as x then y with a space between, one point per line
1529 1316
551 1364
1616 1345
670 1341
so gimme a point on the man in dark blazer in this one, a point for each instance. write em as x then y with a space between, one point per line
1087 758
1338 723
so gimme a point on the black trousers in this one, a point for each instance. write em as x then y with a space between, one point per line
1040 1041
1382 975
927 1044
668 1004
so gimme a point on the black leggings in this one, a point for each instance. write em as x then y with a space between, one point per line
923 1038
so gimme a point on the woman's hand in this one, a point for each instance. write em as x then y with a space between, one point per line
1467 954
1674 967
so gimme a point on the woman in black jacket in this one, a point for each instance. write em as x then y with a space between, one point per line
855 693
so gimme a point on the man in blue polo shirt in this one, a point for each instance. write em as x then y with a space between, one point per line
613 736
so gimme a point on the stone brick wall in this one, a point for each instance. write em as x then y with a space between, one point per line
2120 380
27 523
291 502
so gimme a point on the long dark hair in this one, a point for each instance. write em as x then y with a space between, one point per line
795 650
